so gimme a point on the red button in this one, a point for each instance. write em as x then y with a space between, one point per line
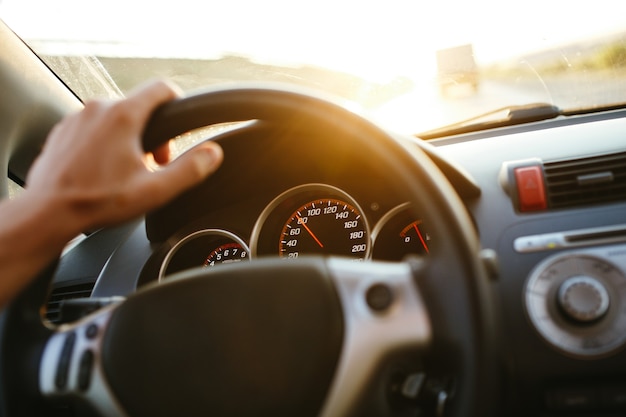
530 188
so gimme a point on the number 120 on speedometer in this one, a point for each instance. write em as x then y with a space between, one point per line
328 226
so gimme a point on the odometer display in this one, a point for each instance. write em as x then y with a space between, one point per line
325 226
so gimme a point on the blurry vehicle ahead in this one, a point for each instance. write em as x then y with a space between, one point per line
456 66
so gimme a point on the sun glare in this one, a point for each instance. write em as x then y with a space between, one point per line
375 39
382 42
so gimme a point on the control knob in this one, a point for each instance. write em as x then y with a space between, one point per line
583 298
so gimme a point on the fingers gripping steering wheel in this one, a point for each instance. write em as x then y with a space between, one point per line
317 337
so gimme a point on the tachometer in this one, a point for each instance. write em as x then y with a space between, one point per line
206 248
324 226
227 253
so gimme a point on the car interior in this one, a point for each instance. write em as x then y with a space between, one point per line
332 266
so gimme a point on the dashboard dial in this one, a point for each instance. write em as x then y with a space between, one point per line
574 301
414 238
226 253
312 219
399 234
208 248
325 226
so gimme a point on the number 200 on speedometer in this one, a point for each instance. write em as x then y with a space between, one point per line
327 226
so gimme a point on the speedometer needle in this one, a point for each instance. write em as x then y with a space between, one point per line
309 230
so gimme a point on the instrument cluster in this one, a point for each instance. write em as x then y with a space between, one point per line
311 219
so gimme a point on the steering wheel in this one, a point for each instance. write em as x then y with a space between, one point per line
315 337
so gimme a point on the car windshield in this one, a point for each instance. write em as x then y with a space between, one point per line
410 65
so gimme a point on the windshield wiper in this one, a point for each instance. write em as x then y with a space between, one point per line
506 116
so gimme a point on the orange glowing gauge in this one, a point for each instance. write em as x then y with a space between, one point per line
325 226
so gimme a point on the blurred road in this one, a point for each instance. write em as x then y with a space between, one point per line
425 108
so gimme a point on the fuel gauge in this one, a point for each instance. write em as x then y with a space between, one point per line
399 234
415 238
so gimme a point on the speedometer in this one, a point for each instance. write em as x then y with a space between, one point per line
312 219
324 226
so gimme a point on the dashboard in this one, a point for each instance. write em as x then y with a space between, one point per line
561 276
558 271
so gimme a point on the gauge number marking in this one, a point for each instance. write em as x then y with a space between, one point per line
328 226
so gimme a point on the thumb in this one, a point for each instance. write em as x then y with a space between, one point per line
198 162
187 170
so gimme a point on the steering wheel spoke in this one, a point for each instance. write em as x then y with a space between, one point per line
383 313
71 364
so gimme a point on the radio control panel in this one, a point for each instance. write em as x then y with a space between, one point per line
576 300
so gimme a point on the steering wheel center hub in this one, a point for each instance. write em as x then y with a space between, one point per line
232 342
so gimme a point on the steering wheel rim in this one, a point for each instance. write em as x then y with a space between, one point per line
459 306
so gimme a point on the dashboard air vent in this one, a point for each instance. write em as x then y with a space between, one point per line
60 294
586 181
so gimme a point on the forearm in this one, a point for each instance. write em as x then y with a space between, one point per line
33 233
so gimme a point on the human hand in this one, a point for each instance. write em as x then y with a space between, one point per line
93 171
